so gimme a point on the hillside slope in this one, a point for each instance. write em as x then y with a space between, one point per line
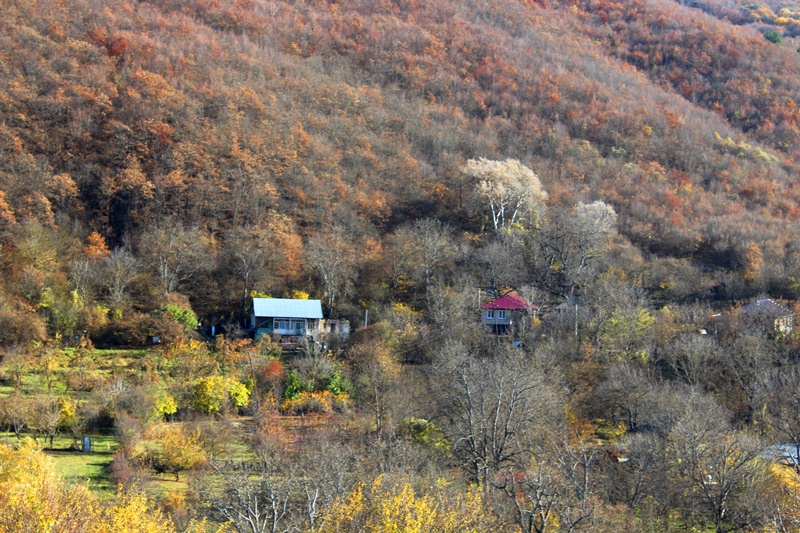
362 113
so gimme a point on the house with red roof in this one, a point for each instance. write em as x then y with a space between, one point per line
507 313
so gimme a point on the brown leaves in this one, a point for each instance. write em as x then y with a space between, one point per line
94 247
131 180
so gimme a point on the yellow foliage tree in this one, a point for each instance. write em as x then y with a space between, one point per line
33 498
213 394
172 449
377 370
400 508
133 513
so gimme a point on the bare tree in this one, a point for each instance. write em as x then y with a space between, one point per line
16 362
247 249
575 457
719 465
450 309
625 393
119 270
565 247
535 494
690 357
746 358
377 370
327 474
645 466
83 276
502 261
46 418
493 407
777 405
37 245
175 252
554 488
400 257
419 251
331 257
15 413
509 189
434 246
254 496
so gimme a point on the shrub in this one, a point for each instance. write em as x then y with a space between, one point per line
127 471
773 36
425 433
337 384
321 402
215 393
294 386
131 330
20 327
183 316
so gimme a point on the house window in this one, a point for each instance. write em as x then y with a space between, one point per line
298 325
489 313
283 324
501 314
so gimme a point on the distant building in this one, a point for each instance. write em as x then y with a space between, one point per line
293 322
507 314
769 316
567 314
787 454
569 305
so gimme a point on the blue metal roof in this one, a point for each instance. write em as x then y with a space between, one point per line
286 308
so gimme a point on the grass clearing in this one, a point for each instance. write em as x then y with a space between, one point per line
78 467
230 440
163 484
101 366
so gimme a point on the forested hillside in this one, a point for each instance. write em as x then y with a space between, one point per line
304 117
629 167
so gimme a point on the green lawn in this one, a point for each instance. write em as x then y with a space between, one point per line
92 468
78 467
162 484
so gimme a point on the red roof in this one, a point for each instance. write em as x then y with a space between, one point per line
509 301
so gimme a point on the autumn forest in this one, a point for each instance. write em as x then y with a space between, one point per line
629 169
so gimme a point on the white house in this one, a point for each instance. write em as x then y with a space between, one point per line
294 321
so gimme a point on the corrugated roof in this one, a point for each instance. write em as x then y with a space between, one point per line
766 307
287 308
509 301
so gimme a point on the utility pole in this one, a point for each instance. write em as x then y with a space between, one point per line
576 320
